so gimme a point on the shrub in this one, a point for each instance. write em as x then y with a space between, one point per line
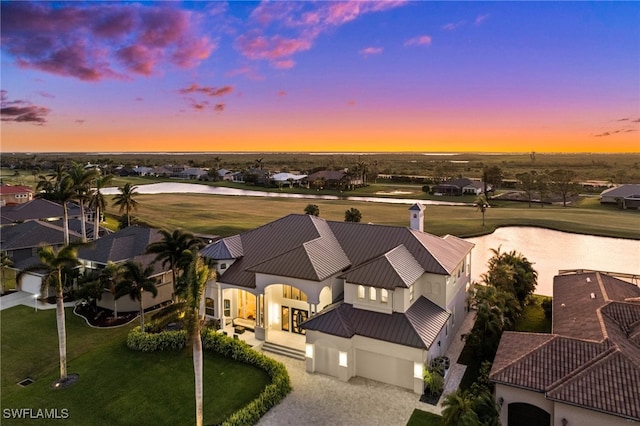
150 342
433 381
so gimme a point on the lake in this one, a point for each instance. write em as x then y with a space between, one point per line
194 188
551 251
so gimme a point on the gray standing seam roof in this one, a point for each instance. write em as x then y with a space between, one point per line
122 245
418 327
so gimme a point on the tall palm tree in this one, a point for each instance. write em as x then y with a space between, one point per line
110 276
97 202
52 264
135 281
483 205
126 200
62 192
459 409
198 273
82 179
217 160
170 249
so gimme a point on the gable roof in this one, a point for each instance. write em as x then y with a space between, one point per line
593 359
14 189
418 327
622 190
120 246
395 268
309 247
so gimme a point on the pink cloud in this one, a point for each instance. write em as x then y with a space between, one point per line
451 26
303 23
423 40
368 51
481 18
207 90
20 111
101 41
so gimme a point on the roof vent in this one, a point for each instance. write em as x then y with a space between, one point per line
593 295
588 279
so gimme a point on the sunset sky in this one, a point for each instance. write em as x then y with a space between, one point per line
320 76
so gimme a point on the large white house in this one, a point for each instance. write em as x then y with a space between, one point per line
363 300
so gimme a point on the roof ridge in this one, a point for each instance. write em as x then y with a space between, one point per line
584 367
413 234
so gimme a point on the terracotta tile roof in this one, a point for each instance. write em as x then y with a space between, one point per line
418 327
595 363
14 189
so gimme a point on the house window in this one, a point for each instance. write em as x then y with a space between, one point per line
342 359
384 296
209 306
360 292
290 292
223 266
372 293
227 307
411 293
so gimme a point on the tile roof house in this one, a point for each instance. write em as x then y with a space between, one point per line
361 299
587 372
15 194
37 209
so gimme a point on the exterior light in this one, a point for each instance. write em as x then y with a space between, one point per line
417 370
309 350
342 359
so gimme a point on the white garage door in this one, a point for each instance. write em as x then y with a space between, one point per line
384 369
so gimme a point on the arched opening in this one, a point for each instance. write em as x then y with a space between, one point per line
523 414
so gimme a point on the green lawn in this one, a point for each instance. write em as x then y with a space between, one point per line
227 215
424 418
117 386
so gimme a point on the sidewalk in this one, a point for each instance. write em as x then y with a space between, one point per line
27 299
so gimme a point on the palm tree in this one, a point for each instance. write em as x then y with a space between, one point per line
126 200
170 249
52 264
352 215
198 273
62 192
459 409
258 163
97 202
523 280
483 205
82 186
5 262
110 276
217 160
135 281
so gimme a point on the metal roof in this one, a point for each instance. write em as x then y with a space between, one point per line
396 268
119 246
418 327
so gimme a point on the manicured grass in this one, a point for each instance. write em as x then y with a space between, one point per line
116 385
227 215
424 418
533 319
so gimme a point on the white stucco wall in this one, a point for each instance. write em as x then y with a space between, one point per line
511 394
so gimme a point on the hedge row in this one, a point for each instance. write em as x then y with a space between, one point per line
235 349
150 342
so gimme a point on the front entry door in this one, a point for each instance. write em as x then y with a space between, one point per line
298 316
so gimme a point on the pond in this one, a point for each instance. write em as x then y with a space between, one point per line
551 251
194 188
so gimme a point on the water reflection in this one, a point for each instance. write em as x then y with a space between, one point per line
193 188
551 251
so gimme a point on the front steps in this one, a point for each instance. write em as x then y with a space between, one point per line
283 350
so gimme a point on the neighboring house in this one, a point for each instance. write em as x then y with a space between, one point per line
367 300
143 171
14 194
190 173
39 209
462 186
617 194
587 371
128 244
287 178
333 179
21 243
